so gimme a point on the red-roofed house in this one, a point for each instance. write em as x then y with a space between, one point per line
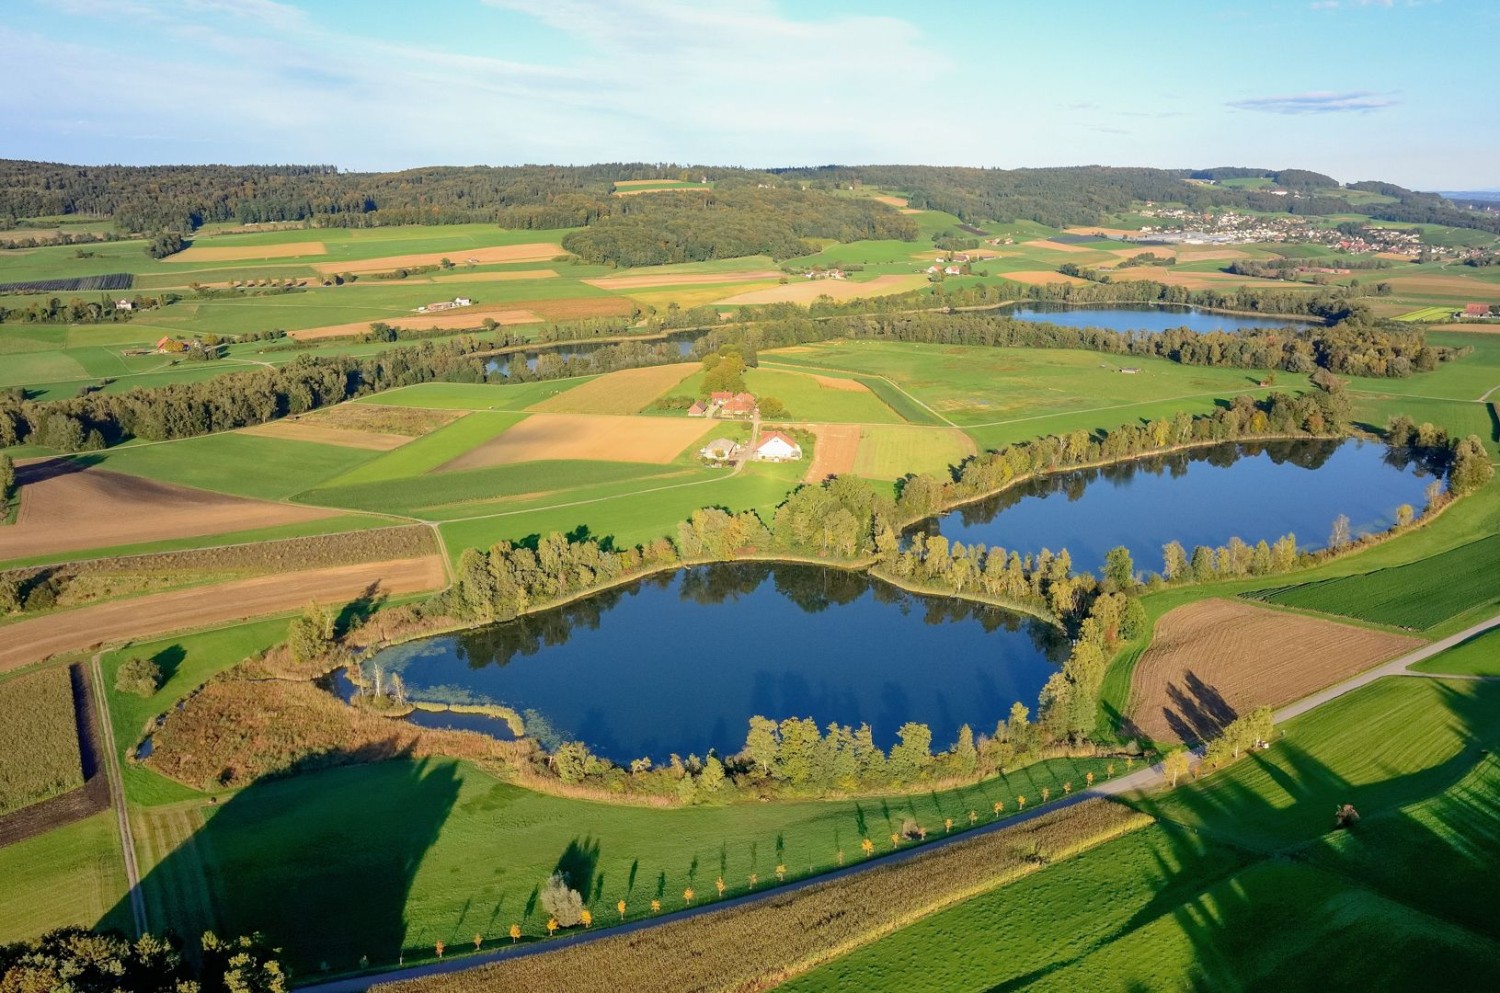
1477 310
171 346
698 409
777 447
739 405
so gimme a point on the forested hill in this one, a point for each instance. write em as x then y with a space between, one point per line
151 199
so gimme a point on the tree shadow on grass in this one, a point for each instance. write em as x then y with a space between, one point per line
321 863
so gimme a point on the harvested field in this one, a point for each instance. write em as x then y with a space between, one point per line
66 507
537 252
1039 277
839 289
77 630
622 284
1195 280
40 754
1058 246
448 320
409 422
589 437
627 391
626 183
836 383
574 308
911 210
240 253
296 429
495 277
1216 659
893 201
1195 253
835 451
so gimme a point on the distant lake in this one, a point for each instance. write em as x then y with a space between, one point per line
683 341
1201 496
679 663
1143 317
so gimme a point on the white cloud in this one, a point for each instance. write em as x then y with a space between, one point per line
1320 102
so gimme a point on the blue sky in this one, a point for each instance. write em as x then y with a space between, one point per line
1362 89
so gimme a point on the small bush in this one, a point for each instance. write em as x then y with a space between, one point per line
139 676
561 901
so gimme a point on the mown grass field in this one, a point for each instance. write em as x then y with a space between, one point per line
1450 583
806 399
426 453
39 750
241 464
1246 884
892 451
445 851
1478 656
71 875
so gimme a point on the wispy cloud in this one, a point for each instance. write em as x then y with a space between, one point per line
1317 102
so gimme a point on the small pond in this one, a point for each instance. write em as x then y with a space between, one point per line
1200 496
680 662
1143 317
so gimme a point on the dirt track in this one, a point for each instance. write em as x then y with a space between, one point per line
76 630
68 508
1216 659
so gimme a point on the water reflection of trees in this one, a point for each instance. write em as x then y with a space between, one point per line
813 589
1311 454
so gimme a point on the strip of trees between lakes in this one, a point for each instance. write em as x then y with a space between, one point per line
846 522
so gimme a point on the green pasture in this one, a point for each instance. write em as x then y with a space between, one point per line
892 451
630 512
1418 595
475 492
805 400
1477 656
232 462
70 876
445 851
475 396
424 454
981 388
1428 314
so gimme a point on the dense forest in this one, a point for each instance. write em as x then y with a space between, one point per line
152 199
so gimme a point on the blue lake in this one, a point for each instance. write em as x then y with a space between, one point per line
1201 496
1142 317
679 663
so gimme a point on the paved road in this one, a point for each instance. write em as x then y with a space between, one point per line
1139 780
117 798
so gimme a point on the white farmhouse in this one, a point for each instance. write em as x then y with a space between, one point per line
777 447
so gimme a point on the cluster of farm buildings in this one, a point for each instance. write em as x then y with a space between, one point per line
773 446
441 305
724 405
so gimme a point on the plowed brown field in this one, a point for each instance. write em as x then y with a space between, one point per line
180 610
835 450
67 508
1216 659
604 438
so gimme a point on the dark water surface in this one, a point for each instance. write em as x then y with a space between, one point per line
1201 496
1142 317
679 663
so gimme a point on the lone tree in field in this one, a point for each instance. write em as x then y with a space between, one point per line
1176 765
1346 816
515 933
139 676
561 901
310 636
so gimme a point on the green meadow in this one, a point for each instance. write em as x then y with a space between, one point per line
70 876
233 462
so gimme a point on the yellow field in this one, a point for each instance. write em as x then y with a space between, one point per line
292 429
808 290
539 252
621 284
628 391
587 437
891 451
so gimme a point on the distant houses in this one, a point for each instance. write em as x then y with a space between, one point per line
453 304
1477 310
724 404
123 304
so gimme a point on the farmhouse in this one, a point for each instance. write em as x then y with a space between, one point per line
433 308
739 405
171 346
1477 310
721 450
777 447
698 409
123 304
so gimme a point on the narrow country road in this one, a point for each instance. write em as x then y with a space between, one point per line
117 797
1131 783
